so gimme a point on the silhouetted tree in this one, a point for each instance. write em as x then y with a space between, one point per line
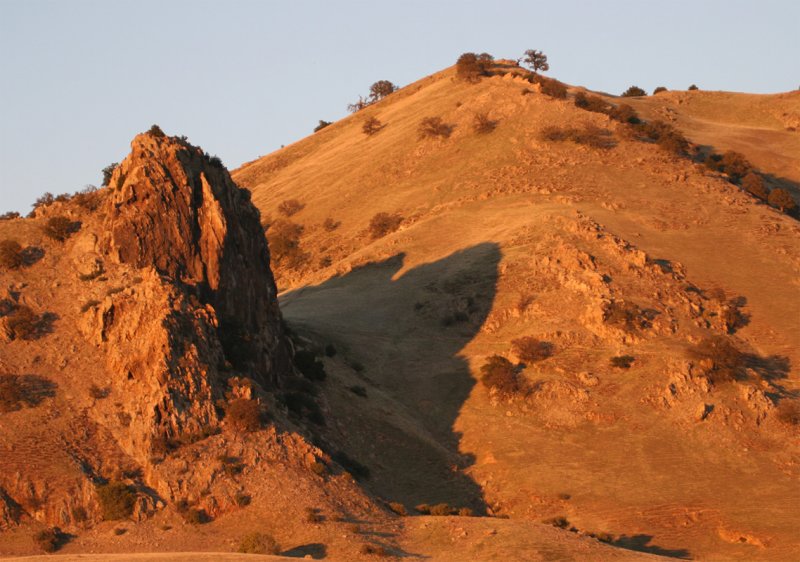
471 67
371 126
536 60
108 171
380 90
753 184
783 200
10 254
693 87
633 91
322 125
659 90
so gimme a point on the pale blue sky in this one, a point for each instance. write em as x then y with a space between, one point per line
79 78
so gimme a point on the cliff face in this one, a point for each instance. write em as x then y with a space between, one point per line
201 307
178 211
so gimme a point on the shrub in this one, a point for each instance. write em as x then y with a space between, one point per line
384 223
258 543
9 215
284 243
624 114
374 549
735 165
624 315
371 126
117 500
622 361
23 323
191 514
330 225
59 228
530 349
24 391
441 509
108 171
49 540
244 415
90 197
592 103
693 87
552 88
99 393
355 468
398 508
674 142
499 373
754 185
660 89
466 512
536 60
561 522
633 92
322 125
432 127
290 207
470 67
308 364
482 124
666 136
718 359
318 468
46 199
589 135
10 254
783 200
423 508
380 90
357 106
155 131
788 412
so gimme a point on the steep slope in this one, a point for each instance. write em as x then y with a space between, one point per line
142 349
609 251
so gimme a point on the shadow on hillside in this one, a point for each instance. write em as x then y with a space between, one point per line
314 551
641 543
405 333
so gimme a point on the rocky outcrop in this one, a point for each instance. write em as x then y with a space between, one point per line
177 210
197 303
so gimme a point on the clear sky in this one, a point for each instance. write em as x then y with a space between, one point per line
79 78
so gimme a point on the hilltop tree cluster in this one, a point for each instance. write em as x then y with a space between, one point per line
377 92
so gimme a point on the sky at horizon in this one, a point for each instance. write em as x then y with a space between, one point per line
241 78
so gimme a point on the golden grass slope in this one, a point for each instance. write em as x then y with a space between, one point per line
506 235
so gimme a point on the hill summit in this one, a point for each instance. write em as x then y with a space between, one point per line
510 319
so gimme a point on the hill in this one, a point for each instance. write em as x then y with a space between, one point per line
489 324
600 249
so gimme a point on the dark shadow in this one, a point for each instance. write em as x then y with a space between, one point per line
771 180
405 332
24 391
316 551
770 368
45 324
774 181
31 255
641 543
664 265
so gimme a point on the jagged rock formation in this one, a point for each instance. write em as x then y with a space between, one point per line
203 300
168 286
